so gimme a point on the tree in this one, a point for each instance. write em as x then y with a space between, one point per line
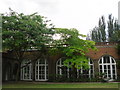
95 34
110 28
102 31
74 48
98 34
117 34
102 34
22 32
113 28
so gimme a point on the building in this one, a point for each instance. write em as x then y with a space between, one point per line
105 60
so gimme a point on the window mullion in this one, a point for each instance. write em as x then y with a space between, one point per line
30 71
111 71
102 66
45 70
38 72
115 72
60 67
107 69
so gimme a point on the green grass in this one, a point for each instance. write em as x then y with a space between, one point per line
59 85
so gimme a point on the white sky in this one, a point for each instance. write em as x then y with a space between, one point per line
80 14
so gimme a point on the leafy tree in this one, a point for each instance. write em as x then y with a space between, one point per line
110 27
22 32
103 34
114 31
102 31
98 34
95 34
113 28
117 34
74 48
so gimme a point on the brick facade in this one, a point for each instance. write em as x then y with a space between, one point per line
103 49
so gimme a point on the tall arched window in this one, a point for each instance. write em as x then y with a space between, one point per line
41 70
61 69
26 70
87 73
107 66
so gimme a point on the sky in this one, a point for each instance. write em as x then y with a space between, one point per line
80 14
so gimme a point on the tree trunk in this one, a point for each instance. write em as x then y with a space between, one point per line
73 73
18 73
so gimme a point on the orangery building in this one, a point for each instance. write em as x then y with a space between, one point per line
105 60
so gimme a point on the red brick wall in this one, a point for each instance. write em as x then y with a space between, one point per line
104 49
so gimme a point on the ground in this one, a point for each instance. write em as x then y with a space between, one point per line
60 85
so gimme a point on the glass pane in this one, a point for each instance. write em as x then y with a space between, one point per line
91 71
100 71
100 61
43 72
105 67
108 66
91 67
113 61
58 63
105 71
113 71
100 66
104 59
109 75
62 62
90 61
113 76
107 59
113 66
109 72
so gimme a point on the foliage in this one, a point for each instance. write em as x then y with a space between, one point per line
95 35
98 34
102 27
118 64
101 33
74 47
117 35
113 28
22 32
63 78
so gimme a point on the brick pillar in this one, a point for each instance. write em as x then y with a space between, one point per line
96 68
33 71
51 69
118 68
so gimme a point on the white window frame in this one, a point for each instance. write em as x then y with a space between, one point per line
89 72
23 69
60 65
106 64
37 70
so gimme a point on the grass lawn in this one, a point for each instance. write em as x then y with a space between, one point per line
58 85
